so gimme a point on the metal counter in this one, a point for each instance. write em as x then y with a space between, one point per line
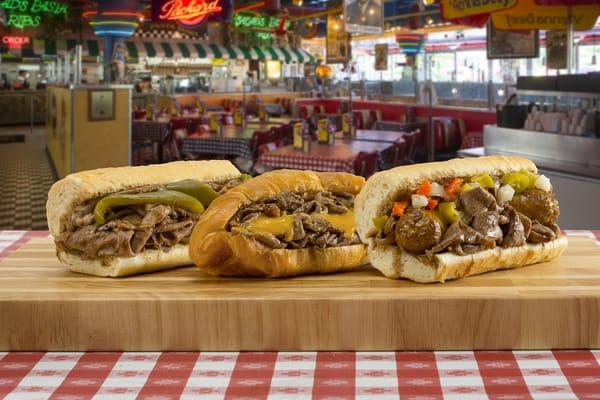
576 155
16 106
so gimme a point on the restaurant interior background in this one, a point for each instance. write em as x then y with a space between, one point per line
87 84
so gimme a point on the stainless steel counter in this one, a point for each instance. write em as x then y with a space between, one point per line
576 155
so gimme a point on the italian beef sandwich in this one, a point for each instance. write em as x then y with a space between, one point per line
282 223
130 220
446 220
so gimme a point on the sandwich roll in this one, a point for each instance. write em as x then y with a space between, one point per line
445 220
131 220
282 223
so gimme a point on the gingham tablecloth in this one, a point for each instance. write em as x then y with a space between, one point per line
472 139
215 145
153 131
305 161
451 375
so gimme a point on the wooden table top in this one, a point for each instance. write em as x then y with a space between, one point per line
549 305
340 150
373 136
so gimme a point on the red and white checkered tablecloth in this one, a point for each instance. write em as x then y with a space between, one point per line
472 139
304 161
427 375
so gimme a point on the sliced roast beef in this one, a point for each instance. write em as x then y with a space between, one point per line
541 233
460 233
487 223
477 200
514 231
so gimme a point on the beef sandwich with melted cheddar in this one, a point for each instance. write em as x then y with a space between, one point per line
446 220
130 220
282 223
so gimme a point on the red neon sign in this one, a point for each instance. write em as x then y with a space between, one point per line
15 42
189 12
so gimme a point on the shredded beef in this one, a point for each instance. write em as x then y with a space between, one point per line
514 234
487 223
460 234
541 233
132 228
477 200
309 229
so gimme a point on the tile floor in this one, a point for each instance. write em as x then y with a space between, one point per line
25 178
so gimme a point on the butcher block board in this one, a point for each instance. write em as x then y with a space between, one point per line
550 305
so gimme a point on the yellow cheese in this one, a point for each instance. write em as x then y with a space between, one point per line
276 226
344 222
283 225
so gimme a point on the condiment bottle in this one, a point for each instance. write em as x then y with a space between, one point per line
298 135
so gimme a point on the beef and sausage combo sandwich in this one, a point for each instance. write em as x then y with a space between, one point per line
131 220
282 223
446 220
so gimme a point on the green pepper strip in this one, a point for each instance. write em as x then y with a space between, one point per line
199 190
167 197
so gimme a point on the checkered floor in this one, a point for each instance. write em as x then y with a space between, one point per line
25 178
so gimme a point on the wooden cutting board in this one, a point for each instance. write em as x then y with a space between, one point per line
550 305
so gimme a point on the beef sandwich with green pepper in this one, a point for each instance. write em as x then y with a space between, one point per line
446 220
131 220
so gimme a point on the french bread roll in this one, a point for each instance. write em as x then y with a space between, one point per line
384 187
220 252
79 187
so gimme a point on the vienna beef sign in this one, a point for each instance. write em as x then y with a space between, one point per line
452 9
188 13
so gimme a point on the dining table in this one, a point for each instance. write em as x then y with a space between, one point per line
372 135
42 373
233 141
149 132
338 157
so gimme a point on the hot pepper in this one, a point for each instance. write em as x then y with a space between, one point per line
199 190
167 197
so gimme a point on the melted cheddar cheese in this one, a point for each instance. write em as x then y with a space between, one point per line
283 226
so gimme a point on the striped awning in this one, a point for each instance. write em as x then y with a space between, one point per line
140 48
147 48
54 47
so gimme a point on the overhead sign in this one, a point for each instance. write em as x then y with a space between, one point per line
452 9
381 56
363 16
529 15
187 13
15 42
251 21
29 13
337 44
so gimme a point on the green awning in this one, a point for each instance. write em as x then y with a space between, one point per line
185 52
200 50
286 55
49 47
298 54
260 53
232 54
132 50
167 49
93 48
246 52
215 50
272 52
150 50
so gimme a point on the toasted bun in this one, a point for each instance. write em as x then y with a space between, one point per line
76 188
146 261
219 252
381 190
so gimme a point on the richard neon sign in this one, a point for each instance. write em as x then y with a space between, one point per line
188 13
29 13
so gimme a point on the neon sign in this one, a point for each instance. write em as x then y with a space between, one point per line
28 13
188 13
249 21
15 42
